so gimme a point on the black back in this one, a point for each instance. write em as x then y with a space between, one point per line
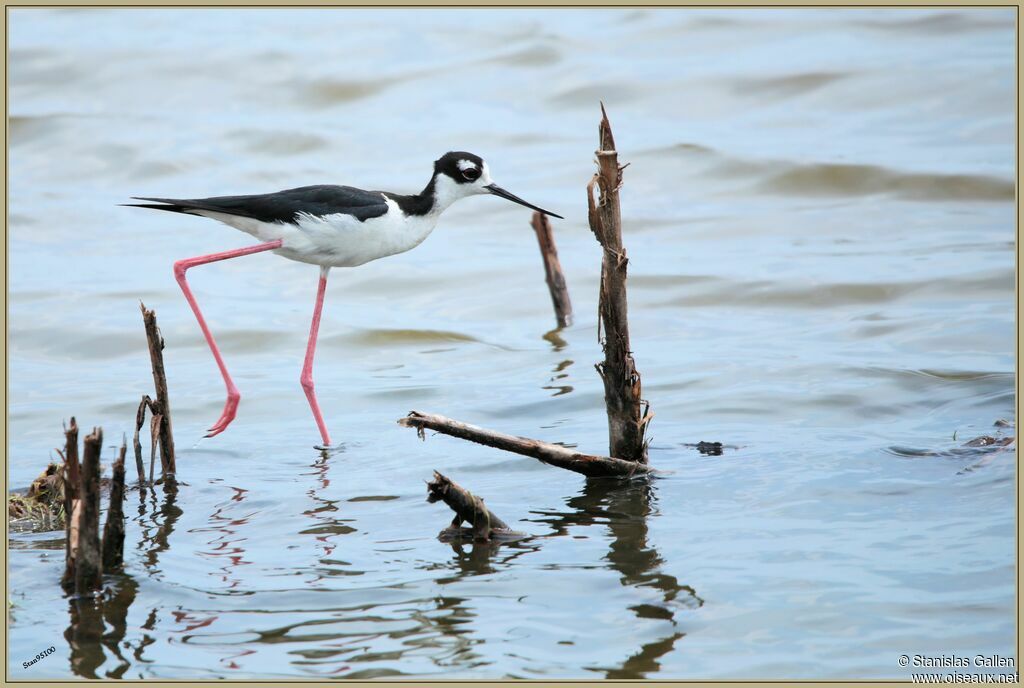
284 206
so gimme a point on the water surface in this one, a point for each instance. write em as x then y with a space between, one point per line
819 213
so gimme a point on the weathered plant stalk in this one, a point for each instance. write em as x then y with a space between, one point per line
140 420
553 274
113 529
88 564
469 508
628 415
552 454
162 405
154 431
70 477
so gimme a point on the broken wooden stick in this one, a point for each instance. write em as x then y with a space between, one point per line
162 405
113 529
628 414
140 419
70 476
469 508
154 431
552 454
553 274
88 565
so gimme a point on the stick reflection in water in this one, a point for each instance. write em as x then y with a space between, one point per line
625 507
97 626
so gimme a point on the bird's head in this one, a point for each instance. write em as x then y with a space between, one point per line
459 174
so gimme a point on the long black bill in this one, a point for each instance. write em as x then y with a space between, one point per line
498 191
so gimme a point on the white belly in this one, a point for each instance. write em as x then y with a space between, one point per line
338 240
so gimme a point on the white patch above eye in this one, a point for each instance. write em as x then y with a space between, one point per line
465 165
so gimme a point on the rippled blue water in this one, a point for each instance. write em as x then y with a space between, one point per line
819 213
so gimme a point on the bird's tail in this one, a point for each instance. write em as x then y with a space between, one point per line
170 204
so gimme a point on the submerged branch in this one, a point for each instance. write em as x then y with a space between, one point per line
469 508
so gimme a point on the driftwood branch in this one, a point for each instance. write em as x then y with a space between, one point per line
113 530
469 508
162 404
627 413
88 568
552 454
553 269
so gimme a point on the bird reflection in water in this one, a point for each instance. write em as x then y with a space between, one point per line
327 527
226 545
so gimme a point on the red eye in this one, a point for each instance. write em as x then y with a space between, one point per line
471 174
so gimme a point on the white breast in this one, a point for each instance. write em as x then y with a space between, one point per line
338 240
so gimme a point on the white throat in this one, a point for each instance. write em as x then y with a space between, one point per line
447 191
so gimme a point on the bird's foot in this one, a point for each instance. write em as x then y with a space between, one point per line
330 449
228 415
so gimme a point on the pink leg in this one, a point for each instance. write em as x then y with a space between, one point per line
179 274
306 379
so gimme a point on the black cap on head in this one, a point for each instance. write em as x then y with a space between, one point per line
466 168
461 166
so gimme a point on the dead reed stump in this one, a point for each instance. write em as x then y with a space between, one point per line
553 274
162 405
86 556
113 529
70 477
88 564
159 408
628 414
140 420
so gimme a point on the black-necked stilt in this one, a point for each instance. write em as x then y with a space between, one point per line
329 226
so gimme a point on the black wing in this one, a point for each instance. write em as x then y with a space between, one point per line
282 206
